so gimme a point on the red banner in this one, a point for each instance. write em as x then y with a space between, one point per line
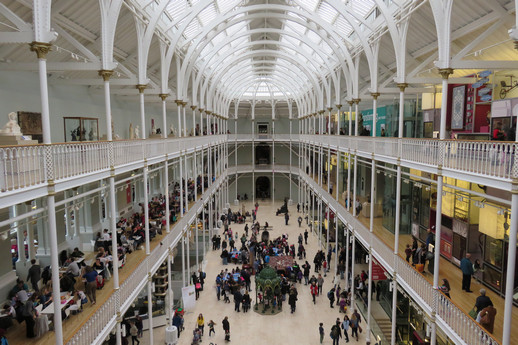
378 273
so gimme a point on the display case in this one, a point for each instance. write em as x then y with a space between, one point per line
81 129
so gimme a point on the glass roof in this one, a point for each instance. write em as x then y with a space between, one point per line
297 47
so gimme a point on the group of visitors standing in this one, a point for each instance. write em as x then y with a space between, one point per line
341 327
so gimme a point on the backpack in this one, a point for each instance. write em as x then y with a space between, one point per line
330 294
46 275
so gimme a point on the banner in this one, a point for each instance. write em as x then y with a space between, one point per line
189 298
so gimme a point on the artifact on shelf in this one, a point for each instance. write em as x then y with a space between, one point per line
11 133
11 127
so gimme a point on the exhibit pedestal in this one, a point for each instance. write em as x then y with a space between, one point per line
6 139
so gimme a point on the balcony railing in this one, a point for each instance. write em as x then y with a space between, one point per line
461 325
96 328
493 159
25 166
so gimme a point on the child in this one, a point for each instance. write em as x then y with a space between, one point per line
408 252
325 268
321 332
211 327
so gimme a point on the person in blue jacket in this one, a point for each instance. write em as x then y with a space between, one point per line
466 266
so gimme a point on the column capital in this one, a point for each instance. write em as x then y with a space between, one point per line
141 87
321 111
208 112
193 107
351 102
41 49
357 100
338 106
329 108
163 96
445 72
105 74
375 95
402 86
201 110
184 104
178 102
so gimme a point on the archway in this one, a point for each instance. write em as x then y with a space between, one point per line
262 187
262 154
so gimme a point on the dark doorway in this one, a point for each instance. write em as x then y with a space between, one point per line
262 154
262 187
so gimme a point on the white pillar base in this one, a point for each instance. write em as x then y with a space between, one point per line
236 202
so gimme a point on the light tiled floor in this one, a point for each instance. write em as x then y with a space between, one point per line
252 328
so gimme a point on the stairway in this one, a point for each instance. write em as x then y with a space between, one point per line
385 326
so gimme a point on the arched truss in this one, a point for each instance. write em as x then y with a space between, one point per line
263 52
296 11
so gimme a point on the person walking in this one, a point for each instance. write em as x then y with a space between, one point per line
314 291
307 268
336 334
211 327
178 323
292 299
482 301
29 315
226 328
237 300
91 283
355 324
306 234
140 326
321 332
34 275
345 326
299 220
286 217
134 333
201 323
331 296
246 301
466 267
320 283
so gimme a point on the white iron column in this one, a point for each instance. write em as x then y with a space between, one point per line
193 108
353 243
163 97
166 193
181 183
338 117
511 268
195 175
179 110
146 206
328 166
184 120
356 102
197 240
186 188
150 306
170 292
141 88
203 229
183 259
42 50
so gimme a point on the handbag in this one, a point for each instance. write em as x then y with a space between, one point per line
484 320
360 328
197 286
473 313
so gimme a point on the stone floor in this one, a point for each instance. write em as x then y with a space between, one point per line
252 328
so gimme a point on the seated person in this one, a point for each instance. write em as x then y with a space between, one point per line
45 298
22 296
7 321
20 285
99 266
73 267
77 253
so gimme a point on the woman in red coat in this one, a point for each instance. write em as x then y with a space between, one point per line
314 291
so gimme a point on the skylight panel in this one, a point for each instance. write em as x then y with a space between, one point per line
296 27
238 41
313 36
309 5
343 27
192 29
176 9
218 38
226 5
362 7
327 12
207 15
236 28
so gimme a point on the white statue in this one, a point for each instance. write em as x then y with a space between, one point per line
131 132
137 132
171 129
153 129
11 127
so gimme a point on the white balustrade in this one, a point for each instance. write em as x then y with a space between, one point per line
106 314
459 322
21 167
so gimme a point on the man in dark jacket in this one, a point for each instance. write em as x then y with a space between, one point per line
237 300
34 275
482 301
226 328
466 267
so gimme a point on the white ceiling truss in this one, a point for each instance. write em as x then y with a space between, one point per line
211 53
